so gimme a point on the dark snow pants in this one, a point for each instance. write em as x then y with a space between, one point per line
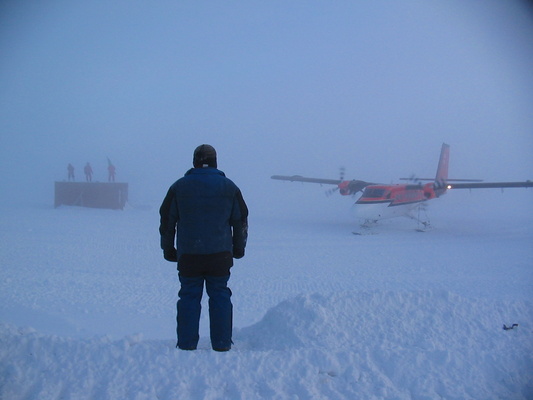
189 309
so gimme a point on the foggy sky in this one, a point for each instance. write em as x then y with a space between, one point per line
300 87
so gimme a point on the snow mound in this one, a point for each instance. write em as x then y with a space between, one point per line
436 343
423 319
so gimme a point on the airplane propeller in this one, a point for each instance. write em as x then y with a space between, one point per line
329 192
414 179
342 171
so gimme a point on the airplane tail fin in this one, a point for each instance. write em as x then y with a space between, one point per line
441 178
442 170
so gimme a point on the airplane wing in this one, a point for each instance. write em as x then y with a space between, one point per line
490 185
345 187
414 178
298 178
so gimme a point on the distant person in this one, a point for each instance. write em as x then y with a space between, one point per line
111 172
211 218
70 169
88 172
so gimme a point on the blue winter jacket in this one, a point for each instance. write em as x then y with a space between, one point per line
209 213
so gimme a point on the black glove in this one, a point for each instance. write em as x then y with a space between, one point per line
170 254
238 253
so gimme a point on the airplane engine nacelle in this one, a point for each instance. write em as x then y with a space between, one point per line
352 187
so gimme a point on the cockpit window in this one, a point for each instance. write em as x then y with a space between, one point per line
373 192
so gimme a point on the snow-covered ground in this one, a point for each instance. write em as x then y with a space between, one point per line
87 306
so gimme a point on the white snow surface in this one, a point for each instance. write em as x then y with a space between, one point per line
87 309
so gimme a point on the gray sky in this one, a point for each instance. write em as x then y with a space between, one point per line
278 87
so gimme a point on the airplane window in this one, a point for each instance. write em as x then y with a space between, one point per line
374 193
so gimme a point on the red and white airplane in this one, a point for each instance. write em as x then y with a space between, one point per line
379 201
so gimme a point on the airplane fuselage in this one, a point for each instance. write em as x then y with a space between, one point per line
397 195
389 201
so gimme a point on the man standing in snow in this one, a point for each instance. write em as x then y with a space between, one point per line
70 169
88 172
211 218
111 171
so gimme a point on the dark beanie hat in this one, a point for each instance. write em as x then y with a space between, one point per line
204 155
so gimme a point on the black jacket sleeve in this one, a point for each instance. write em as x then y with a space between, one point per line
240 227
169 218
